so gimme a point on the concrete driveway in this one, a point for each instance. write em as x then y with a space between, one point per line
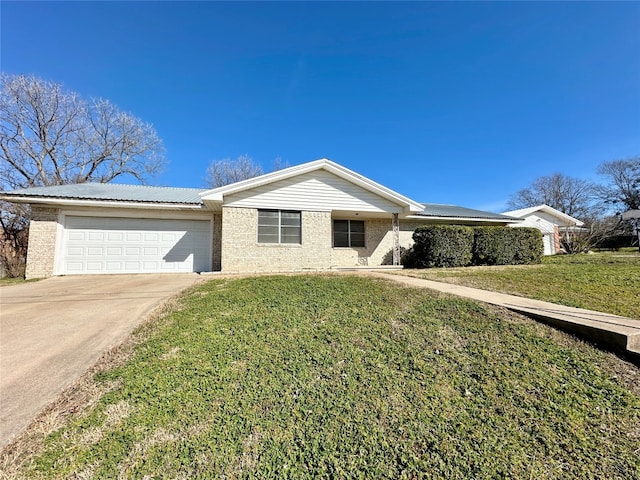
53 330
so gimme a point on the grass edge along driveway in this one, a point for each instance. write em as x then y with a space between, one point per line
350 377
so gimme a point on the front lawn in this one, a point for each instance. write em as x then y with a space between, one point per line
12 281
350 377
604 282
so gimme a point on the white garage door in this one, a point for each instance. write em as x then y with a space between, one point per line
133 245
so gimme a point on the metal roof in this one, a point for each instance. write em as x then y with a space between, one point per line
112 192
454 211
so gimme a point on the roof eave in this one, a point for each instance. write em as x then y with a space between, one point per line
464 219
550 211
70 202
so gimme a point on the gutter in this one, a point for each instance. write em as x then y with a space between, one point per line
101 203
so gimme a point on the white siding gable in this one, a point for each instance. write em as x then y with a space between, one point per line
538 221
318 191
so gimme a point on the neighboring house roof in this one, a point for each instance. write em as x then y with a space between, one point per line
109 192
435 210
565 219
217 194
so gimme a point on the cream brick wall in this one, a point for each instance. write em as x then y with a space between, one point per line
217 242
42 242
378 244
241 251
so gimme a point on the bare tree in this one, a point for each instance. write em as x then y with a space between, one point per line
595 231
570 195
51 136
224 172
623 183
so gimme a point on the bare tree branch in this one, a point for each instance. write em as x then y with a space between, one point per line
572 196
623 183
224 172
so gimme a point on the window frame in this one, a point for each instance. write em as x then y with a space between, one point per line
280 226
350 233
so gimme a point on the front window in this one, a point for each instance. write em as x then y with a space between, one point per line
348 233
279 226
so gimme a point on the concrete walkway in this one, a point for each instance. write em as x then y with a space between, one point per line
54 330
618 333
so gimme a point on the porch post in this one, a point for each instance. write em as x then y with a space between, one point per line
396 239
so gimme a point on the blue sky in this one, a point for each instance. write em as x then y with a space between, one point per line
460 103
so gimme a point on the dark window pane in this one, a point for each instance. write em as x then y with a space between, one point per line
267 238
290 235
268 230
290 239
291 218
279 226
268 217
341 226
357 226
357 239
340 239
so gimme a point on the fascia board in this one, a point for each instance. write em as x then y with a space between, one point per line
558 214
65 202
463 219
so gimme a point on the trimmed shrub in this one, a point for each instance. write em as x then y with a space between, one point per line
408 258
459 246
442 246
530 246
507 246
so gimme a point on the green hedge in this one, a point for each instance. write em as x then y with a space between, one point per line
459 246
507 246
442 246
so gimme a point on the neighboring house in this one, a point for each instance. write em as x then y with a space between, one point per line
314 216
551 222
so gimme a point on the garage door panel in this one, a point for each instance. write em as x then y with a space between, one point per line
115 236
75 252
125 245
77 236
94 266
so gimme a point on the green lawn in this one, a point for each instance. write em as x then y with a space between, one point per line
12 281
605 282
349 377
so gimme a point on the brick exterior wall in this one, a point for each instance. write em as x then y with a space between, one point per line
557 246
217 242
378 249
241 251
42 242
236 248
